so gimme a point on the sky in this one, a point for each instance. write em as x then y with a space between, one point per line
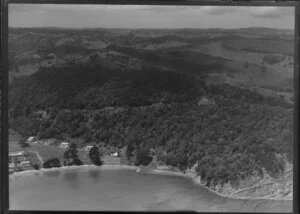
146 16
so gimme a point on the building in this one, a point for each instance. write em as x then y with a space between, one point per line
15 155
24 163
64 145
18 161
116 154
87 148
31 139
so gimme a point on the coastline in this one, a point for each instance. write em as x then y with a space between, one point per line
188 175
197 181
66 168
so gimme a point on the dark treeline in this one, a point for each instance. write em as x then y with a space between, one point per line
237 134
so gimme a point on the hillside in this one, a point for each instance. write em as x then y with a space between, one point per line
197 100
253 58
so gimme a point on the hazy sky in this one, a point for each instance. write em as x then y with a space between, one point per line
131 16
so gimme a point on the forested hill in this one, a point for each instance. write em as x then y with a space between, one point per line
230 131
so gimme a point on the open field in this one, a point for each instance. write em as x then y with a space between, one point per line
48 152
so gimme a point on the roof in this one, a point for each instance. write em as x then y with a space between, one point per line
16 153
30 138
64 143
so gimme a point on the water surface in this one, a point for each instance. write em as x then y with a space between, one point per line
123 189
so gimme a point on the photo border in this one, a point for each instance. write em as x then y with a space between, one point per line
4 178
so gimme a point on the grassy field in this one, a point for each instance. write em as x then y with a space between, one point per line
48 152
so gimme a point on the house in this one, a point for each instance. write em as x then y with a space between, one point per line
87 148
64 145
23 162
115 154
15 155
31 139
18 160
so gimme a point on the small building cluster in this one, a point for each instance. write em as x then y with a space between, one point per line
115 154
64 145
88 148
34 141
18 162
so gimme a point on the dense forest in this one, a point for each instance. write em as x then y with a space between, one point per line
234 134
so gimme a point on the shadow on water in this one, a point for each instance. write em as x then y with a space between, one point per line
95 175
72 178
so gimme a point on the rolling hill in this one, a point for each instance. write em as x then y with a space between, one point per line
221 100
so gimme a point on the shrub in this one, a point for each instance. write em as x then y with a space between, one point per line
94 156
36 166
53 162
24 145
23 142
143 158
71 155
77 162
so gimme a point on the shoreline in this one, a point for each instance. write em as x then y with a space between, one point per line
195 179
67 168
188 175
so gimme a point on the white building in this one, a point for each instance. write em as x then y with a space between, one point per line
24 163
16 154
87 148
115 154
31 139
17 159
64 145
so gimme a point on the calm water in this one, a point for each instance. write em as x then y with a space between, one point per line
123 189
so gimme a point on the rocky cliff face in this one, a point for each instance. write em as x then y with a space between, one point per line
255 186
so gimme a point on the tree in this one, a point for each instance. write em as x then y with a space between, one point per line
94 156
27 111
67 156
36 166
77 162
23 142
129 151
142 157
53 162
71 155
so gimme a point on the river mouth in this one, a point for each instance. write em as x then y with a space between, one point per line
119 189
